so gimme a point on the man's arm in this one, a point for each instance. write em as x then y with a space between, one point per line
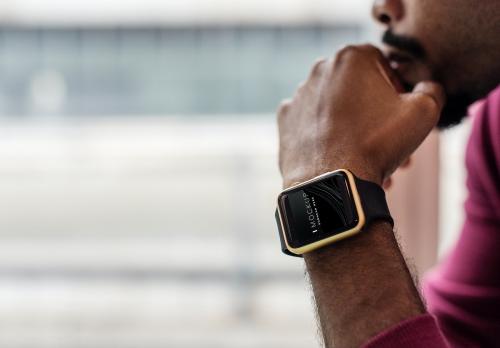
351 114
361 286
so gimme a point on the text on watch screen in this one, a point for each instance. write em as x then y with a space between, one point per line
319 210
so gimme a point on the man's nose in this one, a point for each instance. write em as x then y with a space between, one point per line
387 11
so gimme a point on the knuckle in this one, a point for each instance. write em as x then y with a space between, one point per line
371 50
317 67
356 53
301 86
283 108
346 53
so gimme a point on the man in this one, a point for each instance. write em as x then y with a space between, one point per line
367 111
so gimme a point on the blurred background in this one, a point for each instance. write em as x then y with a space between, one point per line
138 171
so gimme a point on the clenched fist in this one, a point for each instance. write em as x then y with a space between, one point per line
352 114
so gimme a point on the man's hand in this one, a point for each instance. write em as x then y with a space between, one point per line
350 114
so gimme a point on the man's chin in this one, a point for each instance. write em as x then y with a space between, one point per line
455 109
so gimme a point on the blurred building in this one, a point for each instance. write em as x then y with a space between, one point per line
138 169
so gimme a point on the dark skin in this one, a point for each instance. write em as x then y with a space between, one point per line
459 44
352 113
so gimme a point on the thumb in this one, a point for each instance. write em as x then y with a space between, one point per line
422 107
419 114
433 90
424 103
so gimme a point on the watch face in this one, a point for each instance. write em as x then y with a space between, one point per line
318 210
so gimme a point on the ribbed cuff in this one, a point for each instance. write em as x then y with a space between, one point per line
417 332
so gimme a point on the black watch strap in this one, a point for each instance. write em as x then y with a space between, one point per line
373 201
374 206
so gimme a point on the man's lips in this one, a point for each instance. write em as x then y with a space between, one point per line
398 63
398 59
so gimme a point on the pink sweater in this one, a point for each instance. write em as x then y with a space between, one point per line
463 293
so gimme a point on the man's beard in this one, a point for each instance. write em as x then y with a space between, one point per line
455 109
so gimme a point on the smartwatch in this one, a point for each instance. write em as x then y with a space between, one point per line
326 209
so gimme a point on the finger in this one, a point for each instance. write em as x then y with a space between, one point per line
406 163
387 183
384 68
374 60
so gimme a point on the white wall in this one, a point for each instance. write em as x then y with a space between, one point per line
145 232
170 12
452 184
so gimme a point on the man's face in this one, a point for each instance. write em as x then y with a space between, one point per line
455 42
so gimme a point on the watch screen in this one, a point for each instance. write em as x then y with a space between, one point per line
318 210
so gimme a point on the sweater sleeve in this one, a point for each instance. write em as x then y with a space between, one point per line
463 293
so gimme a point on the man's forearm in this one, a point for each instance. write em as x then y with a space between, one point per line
362 286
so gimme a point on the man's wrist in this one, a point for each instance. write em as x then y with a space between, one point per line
361 169
372 234
365 283
362 172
